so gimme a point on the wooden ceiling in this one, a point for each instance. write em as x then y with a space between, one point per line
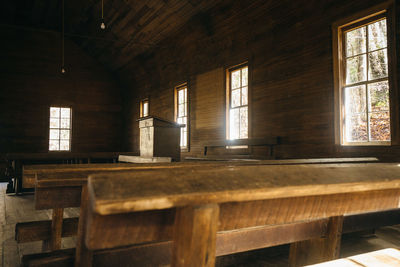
133 26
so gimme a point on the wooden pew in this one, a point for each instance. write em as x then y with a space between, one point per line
31 171
203 211
18 160
58 186
270 142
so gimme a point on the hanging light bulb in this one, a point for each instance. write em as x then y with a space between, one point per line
102 25
62 70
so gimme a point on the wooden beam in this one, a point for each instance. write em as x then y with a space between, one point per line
230 242
56 228
59 258
83 256
195 235
63 197
41 230
371 220
318 249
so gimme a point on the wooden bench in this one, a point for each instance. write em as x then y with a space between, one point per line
205 212
17 161
58 186
270 142
389 257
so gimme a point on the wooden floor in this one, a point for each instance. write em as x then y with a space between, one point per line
15 209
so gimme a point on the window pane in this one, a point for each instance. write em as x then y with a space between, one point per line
356 128
356 69
378 96
235 79
64 134
64 145
185 109
244 96
54 112
236 98
378 64
183 142
145 109
65 123
65 113
54 145
377 35
54 134
54 123
243 123
356 42
181 110
379 126
244 76
234 124
355 99
180 119
181 96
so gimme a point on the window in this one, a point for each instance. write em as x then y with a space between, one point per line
144 108
60 129
237 104
181 113
363 81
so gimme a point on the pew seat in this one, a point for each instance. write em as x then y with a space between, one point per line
389 257
199 209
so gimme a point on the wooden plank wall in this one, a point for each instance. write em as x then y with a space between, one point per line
31 81
289 48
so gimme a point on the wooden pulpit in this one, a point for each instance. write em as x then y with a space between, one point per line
159 138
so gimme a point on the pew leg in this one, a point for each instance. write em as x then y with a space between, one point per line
83 256
319 249
195 233
54 243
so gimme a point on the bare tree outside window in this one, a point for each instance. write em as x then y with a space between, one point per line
182 113
60 129
366 88
238 103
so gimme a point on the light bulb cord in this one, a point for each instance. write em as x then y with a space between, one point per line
102 9
63 34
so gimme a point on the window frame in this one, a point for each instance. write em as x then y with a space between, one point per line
60 128
362 18
176 105
228 82
141 108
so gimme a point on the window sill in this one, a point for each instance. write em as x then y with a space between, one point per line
367 144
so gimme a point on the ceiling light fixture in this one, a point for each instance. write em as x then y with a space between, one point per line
102 25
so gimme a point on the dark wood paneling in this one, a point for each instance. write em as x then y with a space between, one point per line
31 81
289 48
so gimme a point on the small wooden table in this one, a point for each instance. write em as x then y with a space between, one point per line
190 206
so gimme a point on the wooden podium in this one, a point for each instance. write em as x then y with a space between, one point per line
159 141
